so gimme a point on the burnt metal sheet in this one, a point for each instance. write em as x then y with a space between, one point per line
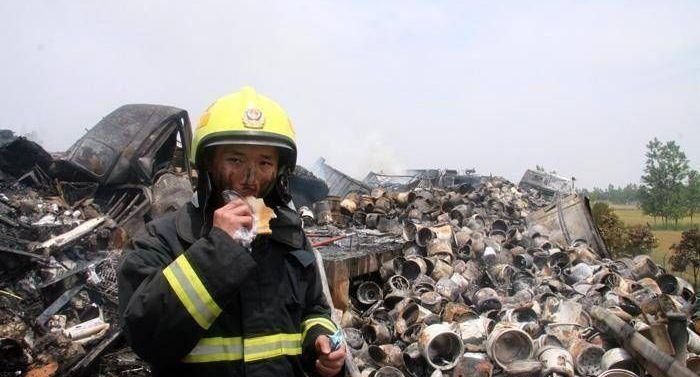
339 183
569 218
392 181
306 188
20 155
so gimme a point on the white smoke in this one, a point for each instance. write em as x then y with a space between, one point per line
376 156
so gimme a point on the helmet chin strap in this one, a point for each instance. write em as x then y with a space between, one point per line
267 190
277 193
203 195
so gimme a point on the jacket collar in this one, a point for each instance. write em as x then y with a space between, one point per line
286 228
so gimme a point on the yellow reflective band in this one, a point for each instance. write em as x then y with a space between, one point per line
321 321
184 299
219 341
198 286
270 346
216 349
252 349
191 292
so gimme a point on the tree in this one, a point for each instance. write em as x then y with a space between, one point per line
662 191
599 210
687 253
611 228
630 193
692 194
650 192
622 240
640 240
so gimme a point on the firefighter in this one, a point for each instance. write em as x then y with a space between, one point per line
195 299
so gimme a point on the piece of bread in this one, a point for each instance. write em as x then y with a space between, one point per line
262 214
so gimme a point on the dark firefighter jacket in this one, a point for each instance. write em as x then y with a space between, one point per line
203 305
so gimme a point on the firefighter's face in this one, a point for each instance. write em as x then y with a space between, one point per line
248 169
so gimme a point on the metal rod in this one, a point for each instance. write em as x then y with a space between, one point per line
61 301
94 353
351 368
117 205
25 253
10 294
136 209
14 239
657 363
127 210
9 221
331 240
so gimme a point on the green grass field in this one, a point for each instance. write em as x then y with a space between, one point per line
631 215
666 239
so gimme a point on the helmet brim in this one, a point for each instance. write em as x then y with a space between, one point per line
287 147
270 143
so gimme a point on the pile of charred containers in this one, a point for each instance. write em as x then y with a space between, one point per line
482 291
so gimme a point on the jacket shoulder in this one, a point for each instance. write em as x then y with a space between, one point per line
163 224
159 235
184 223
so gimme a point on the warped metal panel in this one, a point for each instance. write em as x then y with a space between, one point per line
339 184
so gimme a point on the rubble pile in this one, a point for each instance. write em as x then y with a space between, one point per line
64 220
58 289
490 279
482 289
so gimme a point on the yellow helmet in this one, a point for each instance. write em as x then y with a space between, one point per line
245 117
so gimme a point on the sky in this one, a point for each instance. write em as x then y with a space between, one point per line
578 87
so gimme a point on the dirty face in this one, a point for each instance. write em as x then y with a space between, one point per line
248 169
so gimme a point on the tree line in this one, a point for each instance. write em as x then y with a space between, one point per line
669 190
614 194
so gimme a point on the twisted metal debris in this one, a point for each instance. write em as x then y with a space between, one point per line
64 219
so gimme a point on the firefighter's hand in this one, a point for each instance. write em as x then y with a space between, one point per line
233 216
328 363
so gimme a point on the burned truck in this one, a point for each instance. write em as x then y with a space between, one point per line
136 156
547 184
64 220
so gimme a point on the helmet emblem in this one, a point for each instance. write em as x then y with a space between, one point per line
253 118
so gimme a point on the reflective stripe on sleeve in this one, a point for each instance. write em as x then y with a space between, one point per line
307 324
191 292
266 347
216 349
248 350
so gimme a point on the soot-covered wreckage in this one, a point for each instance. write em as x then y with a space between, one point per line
431 273
64 220
448 274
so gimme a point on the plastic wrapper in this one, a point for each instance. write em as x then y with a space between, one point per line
243 235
